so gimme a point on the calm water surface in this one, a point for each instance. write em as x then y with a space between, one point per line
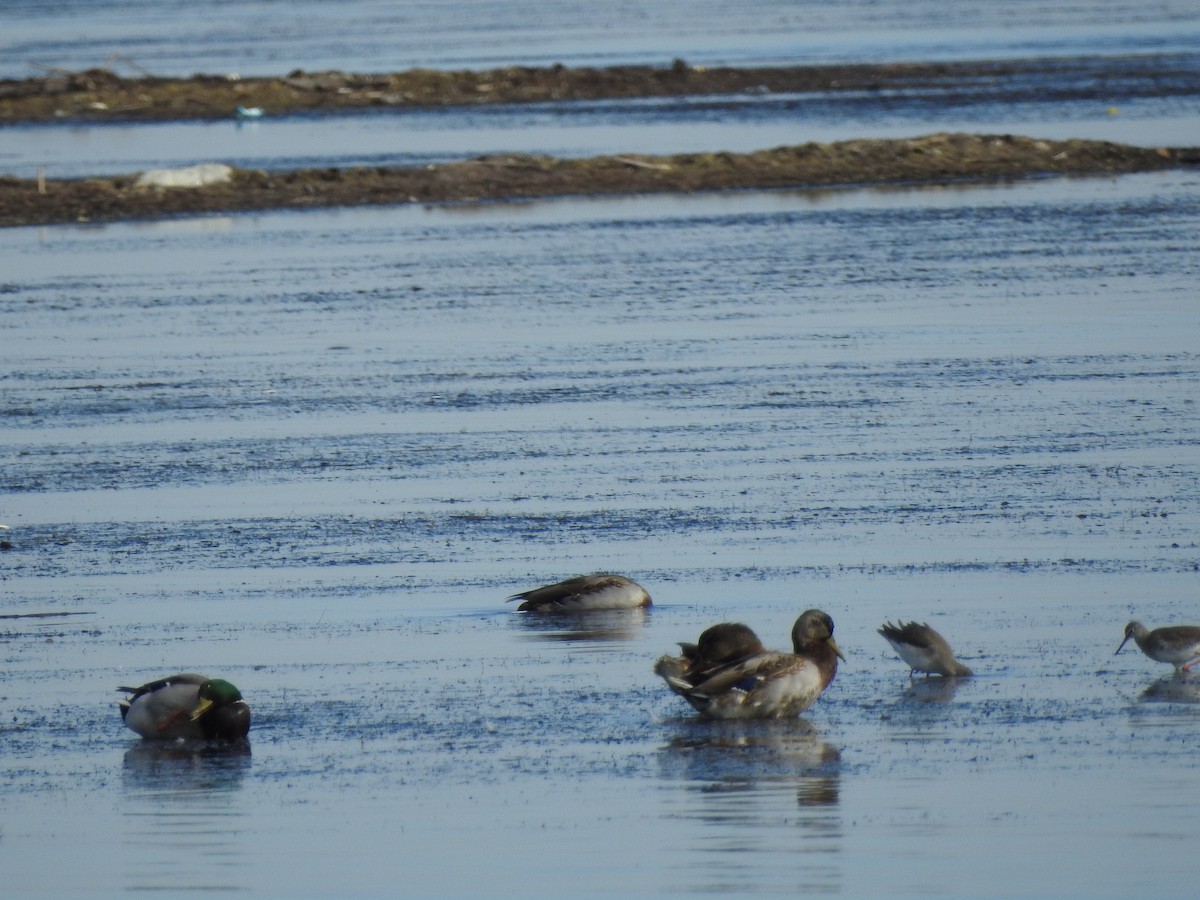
267 37
1110 44
315 452
689 125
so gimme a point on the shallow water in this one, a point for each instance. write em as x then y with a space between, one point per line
1101 92
258 37
676 125
315 452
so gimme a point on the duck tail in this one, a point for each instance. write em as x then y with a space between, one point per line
671 670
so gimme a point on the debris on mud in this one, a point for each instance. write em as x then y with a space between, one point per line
103 95
932 159
100 94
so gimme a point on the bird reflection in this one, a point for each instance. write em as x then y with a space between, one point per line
1178 688
932 690
196 765
817 792
181 816
736 754
739 781
811 791
593 625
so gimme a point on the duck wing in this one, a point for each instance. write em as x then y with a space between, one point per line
151 686
746 674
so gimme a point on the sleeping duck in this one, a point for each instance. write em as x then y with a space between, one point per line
583 594
754 683
186 706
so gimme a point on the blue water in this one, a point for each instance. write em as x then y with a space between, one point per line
1112 40
314 451
737 124
269 38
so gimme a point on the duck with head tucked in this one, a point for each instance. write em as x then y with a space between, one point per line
584 593
728 675
1178 645
718 646
186 706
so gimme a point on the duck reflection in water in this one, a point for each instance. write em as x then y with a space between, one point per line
597 625
187 765
182 811
751 749
763 789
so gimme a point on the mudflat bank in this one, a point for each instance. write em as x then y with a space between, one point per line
103 94
937 158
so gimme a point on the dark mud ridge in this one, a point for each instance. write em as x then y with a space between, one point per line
933 159
102 94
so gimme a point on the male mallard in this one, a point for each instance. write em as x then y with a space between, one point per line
923 649
584 593
186 706
1178 645
763 684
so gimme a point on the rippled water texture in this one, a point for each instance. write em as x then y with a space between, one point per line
1132 106
314 452
1128 72
259 37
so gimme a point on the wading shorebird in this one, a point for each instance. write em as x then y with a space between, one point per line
923 649
1178 645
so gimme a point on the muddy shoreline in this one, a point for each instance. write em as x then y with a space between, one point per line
933 159
102 94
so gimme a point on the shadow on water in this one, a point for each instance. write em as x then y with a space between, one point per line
596 625
182 824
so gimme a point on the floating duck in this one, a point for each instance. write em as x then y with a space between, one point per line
763 684
186 706
923 649
584 593
1178 645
